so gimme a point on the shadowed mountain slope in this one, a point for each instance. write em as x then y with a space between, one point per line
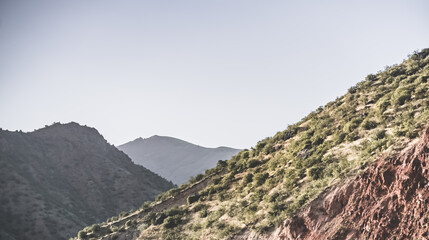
175 159
57 179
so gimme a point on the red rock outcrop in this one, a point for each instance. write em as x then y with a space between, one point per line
389 200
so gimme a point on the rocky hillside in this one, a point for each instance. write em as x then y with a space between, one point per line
320 177
175 159
389 200
56 180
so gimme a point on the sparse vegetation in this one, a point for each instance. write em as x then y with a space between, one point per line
261 187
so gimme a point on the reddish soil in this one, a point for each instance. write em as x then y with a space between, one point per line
388 201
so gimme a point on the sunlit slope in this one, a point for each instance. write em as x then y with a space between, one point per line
260 188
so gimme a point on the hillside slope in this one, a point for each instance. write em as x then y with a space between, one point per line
389 200
57 179
175 159
259 192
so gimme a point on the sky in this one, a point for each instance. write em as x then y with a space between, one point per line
214 73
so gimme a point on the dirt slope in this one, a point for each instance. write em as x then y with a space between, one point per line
389 200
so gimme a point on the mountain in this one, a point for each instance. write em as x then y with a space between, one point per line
174 159
356 168
58 179
389 200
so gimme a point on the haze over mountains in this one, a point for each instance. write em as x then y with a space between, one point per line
174 159
60 178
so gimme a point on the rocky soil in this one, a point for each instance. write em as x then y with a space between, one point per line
389 200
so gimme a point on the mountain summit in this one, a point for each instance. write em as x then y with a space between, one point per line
174 159
57 179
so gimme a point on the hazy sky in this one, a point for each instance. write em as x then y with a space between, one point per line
220 72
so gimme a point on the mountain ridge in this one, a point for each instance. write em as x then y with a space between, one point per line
71 176
174 159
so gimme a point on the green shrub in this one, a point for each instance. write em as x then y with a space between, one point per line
248 178
198 207
315 172
317 139
380 134
216 180
245 154
401 96
253 163
276 208
421 91
369 124
352 125
149 218
94 228
193 198
171 222
253 207
353 136
82 235
339 137
371 78
145 206
260 145
269 148
273 197
197 178
260 178
221 164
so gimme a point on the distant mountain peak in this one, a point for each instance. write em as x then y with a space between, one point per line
175 159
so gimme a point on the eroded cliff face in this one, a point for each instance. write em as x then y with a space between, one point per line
389 200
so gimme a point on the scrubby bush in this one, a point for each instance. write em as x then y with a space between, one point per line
193 198
401 96
339 137
199 207
380 134
269 148
197 178
248 178
94 228
317 139
260 178
145 206
252 163
352 125
353 136
369 124
245 154
171 222
159 218
82 235
371 78
273 197
315 172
